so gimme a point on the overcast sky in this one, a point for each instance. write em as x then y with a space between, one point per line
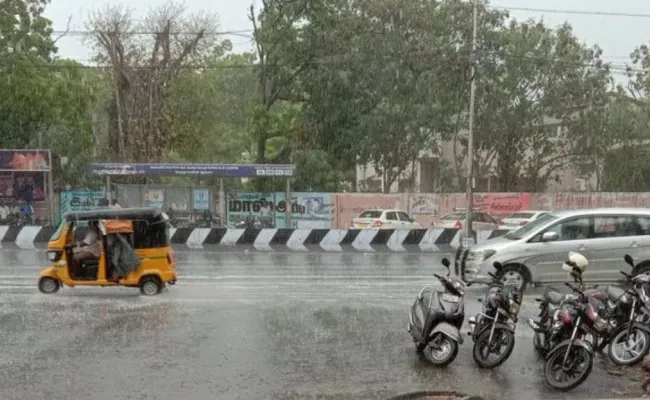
617 35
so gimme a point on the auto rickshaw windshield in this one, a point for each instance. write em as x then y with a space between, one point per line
57 233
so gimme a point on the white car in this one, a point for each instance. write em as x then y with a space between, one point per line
521 218
384 219
458 219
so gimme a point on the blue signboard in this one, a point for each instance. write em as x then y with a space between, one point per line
231 170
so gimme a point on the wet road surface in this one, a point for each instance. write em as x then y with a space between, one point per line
249 326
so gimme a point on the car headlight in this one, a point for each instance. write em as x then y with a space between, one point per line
480 256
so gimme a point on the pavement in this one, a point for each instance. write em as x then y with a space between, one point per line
252 326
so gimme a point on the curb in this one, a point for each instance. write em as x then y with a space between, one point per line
301 240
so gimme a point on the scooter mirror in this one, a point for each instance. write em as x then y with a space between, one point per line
628 259
498 266
445 262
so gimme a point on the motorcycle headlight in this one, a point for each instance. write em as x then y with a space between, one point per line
514 307
557 324
625 299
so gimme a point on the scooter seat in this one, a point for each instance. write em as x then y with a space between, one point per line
553 296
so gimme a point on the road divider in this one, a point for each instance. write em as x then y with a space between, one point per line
328 240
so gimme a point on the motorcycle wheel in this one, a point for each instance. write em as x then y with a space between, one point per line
554 365
620 342
443 356
481 351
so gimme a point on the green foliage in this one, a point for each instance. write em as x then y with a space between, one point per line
331 83
536 80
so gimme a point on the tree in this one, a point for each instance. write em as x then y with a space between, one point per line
537 78
47 102
145 58
210 107
26 51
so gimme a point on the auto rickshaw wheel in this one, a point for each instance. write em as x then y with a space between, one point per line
48 285
150 285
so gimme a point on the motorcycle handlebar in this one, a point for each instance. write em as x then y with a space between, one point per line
573 288
627 276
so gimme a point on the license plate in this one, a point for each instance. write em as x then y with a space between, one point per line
362 225
450 298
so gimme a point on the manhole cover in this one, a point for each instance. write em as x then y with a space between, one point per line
435 395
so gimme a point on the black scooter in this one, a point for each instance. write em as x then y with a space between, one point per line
437 315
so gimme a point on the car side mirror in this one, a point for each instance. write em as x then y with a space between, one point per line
549 236
445 262
628 259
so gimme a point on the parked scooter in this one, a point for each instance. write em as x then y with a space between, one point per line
493 329
437 315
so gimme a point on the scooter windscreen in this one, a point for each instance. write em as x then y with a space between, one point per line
454 285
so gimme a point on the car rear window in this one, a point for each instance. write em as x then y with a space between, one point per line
370 214
522 215
455 215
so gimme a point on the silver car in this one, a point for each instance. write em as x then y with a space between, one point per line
535 252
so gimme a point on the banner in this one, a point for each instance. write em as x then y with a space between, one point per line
309 211
268 210
201 199
80 200
154 198
251 209
25 160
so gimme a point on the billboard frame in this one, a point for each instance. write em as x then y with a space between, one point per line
200 169
48 182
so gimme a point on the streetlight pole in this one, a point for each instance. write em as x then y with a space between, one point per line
470 141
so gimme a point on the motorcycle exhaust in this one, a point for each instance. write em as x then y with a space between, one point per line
472 325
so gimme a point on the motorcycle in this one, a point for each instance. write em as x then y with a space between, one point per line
626 315
624 311
494 327
437 315
570 361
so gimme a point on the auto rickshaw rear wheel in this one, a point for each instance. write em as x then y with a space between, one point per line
150 285
48 285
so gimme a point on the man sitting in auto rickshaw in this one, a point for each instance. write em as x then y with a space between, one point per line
91 247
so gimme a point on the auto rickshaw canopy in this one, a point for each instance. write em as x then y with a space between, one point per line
149 214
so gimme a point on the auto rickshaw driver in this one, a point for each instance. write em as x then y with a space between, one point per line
91 246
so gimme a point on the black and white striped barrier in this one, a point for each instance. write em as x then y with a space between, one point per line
365 240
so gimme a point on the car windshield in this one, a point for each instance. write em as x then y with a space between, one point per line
531 227
522 215
454 216
370 214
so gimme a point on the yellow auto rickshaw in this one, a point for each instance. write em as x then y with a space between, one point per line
130 247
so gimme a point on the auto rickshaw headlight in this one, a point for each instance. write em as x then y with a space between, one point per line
54 255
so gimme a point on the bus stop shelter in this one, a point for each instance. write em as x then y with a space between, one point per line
222 171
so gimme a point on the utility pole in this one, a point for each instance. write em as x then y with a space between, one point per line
470 139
